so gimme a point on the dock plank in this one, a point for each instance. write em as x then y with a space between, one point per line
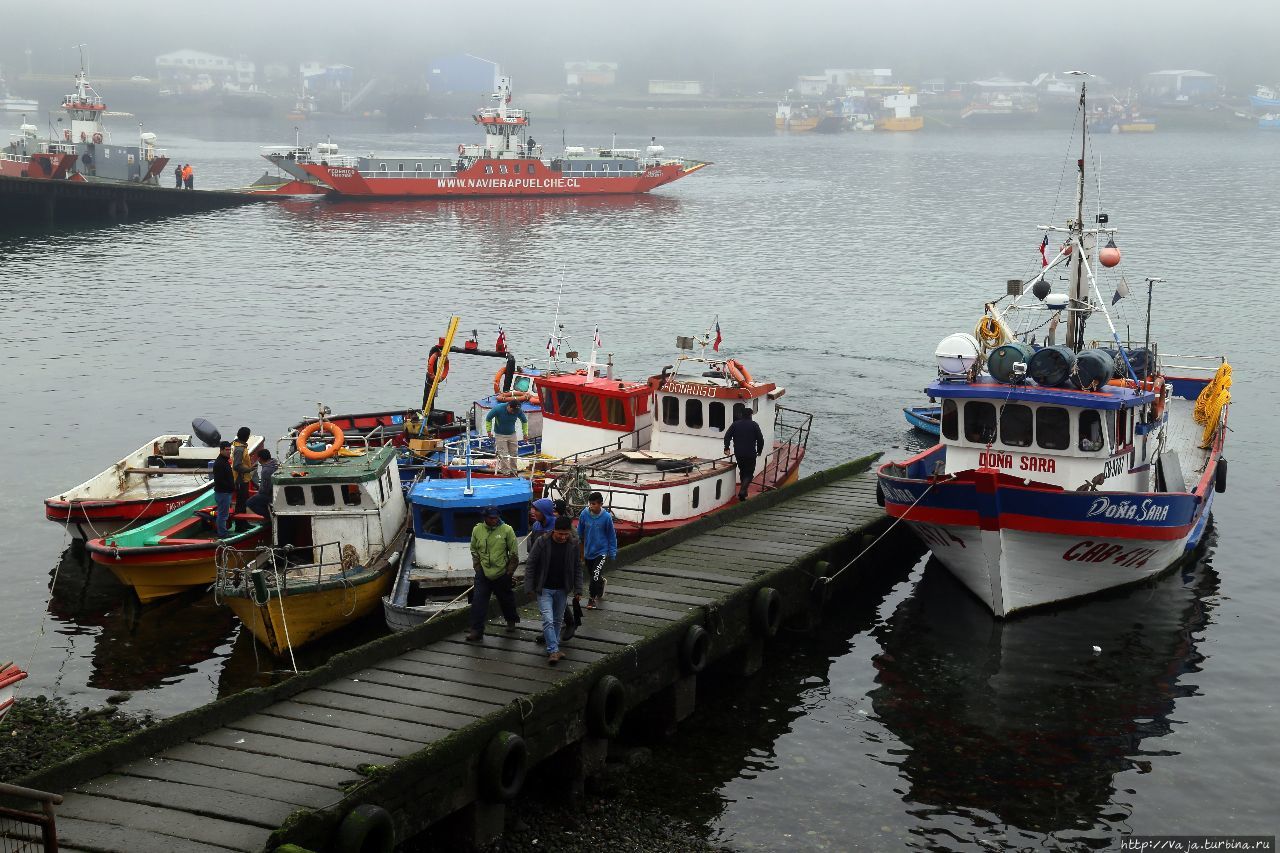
504 666
97 837
313 734
684 571
463 675
414 732
491 696
285 790
267 766
383 702
155 820
312 753
197 800
646 594
531 652
525 646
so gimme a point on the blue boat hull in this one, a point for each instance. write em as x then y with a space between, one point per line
924 418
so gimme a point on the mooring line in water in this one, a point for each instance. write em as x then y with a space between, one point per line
822 580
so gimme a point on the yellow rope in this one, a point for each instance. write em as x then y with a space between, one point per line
990 332
1211 401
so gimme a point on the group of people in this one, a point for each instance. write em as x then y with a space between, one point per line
558 559
236 469
184 176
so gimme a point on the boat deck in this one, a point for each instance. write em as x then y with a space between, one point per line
420 706
1184 436
141 487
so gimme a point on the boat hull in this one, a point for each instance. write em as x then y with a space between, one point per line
157 572
302 616
10 675
894 123
923 418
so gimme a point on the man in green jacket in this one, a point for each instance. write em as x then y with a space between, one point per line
495 553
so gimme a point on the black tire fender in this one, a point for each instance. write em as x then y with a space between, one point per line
766 611
366 829
503 766
695 649
1220 476
606 707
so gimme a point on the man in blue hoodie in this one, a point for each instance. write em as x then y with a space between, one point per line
544 519
599 544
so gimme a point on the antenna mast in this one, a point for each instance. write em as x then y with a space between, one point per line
1079 288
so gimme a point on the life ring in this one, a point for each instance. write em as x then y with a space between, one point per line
513 397
366 829
738 372
461 148
97 139
329 452
497 380
435 360
66 134
83 136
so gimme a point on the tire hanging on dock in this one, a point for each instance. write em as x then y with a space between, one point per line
695 649
366 829
606 707
503 765
766 611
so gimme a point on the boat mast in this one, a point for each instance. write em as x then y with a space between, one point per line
1079 288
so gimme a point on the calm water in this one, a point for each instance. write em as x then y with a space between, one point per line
835 265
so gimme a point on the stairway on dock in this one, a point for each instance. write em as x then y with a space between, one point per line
411 722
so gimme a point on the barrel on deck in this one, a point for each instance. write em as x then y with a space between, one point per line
1002 359
1051 366
1094 368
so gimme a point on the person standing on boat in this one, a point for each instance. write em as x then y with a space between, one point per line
177 177
495 553
553 573
748 443
599 543
260 503
224 488
189 177
501 423
242 462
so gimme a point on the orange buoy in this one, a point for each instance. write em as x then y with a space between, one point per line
738 372
306 432
497 379
1109 255
433 361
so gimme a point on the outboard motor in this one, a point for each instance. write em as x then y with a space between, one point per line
206 432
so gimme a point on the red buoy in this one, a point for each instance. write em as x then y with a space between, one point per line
1109 255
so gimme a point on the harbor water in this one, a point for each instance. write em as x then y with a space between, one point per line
834 266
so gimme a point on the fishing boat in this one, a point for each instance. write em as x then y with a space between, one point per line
10 675
1270 121
508 162
86 150
923 418
162 475
899 112
176 551
1064 469
339 528
435 572
1265 97
657 455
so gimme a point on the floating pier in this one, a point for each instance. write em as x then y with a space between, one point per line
422 730
41 202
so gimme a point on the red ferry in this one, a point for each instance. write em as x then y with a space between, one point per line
508 163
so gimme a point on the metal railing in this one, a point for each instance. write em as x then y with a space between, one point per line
235 575
1202 363
24 831
574 489
636 438
778 462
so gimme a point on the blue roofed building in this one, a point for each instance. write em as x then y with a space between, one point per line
463 74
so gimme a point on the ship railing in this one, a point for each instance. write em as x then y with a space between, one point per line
23 830
15 158
255 573
1196 364
575 487
445 172
61 147
685 468
791 429
627 441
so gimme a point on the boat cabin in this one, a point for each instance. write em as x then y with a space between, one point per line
693 410
1057 436
584 412
444 514
342 510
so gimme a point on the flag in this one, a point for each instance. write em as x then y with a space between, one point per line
596 339
501 345
1122 290
1044 244
551 347
716 345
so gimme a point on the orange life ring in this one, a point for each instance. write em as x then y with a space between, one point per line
66 134
461 148
1154 385
497 380
332 450
83 136
97 139
738 372
431 366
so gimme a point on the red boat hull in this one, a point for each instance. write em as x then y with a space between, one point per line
474 181
102 518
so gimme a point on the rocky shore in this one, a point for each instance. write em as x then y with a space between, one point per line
39 732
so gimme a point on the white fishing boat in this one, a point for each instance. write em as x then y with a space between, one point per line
1064 470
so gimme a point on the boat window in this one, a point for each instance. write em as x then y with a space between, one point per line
1090 430
693 414
591 408
1053 428
351 494
548 401
738 411
614 411
1122 428
295 496
567 404
530 169
1015 425
502 170
719 487
488 170
522 383
670 410
979 422
715 415
400 167
322 496
666 504
430 523
382 167
950 419
417 167
694 499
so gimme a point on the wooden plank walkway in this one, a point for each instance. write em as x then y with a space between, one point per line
286 766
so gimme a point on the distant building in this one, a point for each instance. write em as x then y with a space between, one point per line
811 85
193 70
325 78
276 72
675 87
1180 85
586 74
840 79
463 74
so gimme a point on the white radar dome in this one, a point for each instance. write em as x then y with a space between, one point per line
956 354
1056 301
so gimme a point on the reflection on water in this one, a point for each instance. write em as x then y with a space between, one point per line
1026 722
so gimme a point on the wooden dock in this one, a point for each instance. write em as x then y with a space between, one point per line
45 203
423 730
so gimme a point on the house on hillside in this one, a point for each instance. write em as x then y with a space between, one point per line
585 74
195 70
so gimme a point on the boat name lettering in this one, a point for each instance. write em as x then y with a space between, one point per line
342 173
1128 510
509 183
992 459
938 537
692 389
1101 552
653 173
896 494
172 505
1113 467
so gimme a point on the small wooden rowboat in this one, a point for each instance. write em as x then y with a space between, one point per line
10 675
175 552
924 418
160 476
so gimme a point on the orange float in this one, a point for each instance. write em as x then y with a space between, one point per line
1154 385
434 360
738 372
310 429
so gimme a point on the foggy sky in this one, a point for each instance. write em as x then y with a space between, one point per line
752 45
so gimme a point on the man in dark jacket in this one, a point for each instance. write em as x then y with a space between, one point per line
260 503
553 572
748 443
224 487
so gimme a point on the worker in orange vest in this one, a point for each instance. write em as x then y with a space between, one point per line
188 176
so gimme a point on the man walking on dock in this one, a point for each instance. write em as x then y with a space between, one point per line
224 488
599 543
501 422
495 553
748 443
553 572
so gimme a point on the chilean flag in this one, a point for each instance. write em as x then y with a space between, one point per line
1044 244
501 345
551 347
716 345
596 339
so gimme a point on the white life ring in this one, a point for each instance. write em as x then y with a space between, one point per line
97 139
461 148
83 136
